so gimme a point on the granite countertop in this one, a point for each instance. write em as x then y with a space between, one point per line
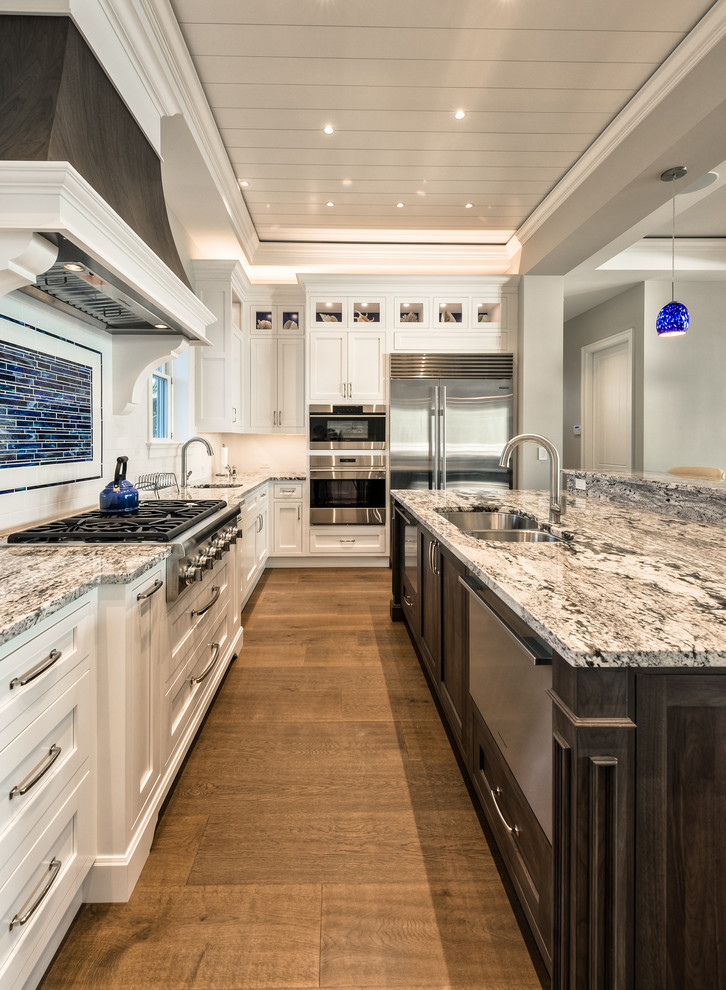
37 580
630 588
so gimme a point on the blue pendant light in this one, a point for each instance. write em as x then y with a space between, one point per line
674 319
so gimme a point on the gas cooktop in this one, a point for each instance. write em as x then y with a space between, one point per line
162 521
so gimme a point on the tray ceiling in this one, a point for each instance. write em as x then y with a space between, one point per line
538 83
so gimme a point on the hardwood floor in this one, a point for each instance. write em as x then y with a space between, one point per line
320 834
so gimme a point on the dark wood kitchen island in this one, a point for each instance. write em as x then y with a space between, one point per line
631 890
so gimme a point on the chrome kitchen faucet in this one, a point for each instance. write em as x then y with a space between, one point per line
191 440
557 505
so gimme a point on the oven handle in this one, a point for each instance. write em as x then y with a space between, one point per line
341 475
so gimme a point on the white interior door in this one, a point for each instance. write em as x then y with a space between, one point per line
607 403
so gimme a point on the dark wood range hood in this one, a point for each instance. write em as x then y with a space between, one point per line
58 105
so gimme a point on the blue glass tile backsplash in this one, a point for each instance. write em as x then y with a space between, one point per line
46 408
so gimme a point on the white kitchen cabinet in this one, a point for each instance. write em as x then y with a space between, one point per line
48 773
347 365
262 533
253 547
132 642
277 384
343 540
219 369
287 528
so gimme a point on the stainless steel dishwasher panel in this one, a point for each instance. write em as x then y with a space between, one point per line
510 673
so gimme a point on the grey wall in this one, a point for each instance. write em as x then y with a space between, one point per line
623 312
685 399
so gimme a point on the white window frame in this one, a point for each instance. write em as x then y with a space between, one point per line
165 373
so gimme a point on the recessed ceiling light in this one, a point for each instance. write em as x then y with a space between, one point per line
244 183
328 129
73 267
468 206
347 182
460 114
161 326
330 204
399 205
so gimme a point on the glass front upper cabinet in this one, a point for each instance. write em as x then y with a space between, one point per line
488 313
411 313
366 312
450 313
328 311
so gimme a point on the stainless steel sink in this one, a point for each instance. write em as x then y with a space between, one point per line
509 527
482 520
514 535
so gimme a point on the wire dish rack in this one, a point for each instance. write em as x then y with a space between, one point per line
157 482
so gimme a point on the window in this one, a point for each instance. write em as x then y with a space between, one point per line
161 403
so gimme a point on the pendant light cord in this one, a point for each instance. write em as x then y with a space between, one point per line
673 249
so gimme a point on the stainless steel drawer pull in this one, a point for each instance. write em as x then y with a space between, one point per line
496 793
288 491
408 601
35 775
210 667
40 668
24 915
156 586
274 418
352 540
299 512
205 608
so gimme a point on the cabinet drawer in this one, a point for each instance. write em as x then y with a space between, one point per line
347 539
194 611
53 862
289 489
409 603
29 669
39 762
188 688
519 835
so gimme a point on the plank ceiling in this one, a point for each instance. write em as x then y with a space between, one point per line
538 83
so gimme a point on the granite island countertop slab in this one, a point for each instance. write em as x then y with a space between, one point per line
37 580
630 588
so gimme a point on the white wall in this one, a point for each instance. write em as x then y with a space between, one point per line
284 454
685 399
539 373
622 312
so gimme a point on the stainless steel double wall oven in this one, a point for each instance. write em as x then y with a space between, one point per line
347 488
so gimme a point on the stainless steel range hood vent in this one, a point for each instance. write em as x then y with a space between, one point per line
104 300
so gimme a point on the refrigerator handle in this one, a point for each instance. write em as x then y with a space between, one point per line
442 434
434 439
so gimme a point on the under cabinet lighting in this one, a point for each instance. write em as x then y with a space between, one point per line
244 183
73 267
161 326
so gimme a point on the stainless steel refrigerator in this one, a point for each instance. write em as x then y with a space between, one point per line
450 417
